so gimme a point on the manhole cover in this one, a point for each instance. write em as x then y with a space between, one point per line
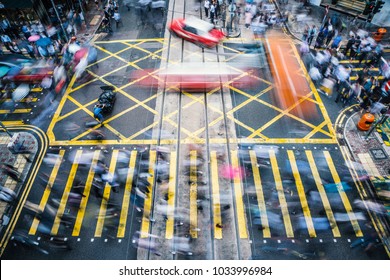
378 154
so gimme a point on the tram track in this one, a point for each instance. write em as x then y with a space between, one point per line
193 213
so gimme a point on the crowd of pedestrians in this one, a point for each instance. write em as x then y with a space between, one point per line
355 81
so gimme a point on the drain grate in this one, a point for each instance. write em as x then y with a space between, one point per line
378 154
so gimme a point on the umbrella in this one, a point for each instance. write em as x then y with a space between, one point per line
73 48
144 2
80 54
34 38
20 92
4 70
43 42
230 172
92 55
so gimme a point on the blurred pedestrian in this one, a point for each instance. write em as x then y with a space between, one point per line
98 113
311 34
117 18
11 171
349 45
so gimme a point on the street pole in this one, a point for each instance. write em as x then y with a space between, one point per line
58 16
84 14
375 125
5 129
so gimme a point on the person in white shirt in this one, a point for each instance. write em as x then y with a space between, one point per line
117 17
212 13
6 41
206 8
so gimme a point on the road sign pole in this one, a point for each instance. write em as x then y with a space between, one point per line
5 129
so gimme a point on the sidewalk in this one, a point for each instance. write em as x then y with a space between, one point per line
315 15
23 166
357 144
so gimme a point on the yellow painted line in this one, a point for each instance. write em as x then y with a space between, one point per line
17 111
321 190
282 199
250 98
24 100
84 199
148 200
193 141
321 106
50 133
46 193
284 112
238 195
7 123
160 40
216 195
36 89
171 196
343 196
65 195
355 176
301 194
106 196
77 109
315 130
193 195
260 195
127 195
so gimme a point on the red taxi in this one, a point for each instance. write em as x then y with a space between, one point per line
197 31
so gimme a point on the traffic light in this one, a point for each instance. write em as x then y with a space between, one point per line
378 6
369 8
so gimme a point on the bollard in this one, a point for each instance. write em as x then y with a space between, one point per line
379 34
365 122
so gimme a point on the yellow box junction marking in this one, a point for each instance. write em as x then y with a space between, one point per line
148 200
238 195
84 199
282 199
301 193
260 195
126 196
106 196
321 190
216 195
343 196
193 195
171 196
65 195
46 193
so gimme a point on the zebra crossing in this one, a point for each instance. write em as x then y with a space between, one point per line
281 191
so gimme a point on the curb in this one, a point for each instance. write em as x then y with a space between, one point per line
14 209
